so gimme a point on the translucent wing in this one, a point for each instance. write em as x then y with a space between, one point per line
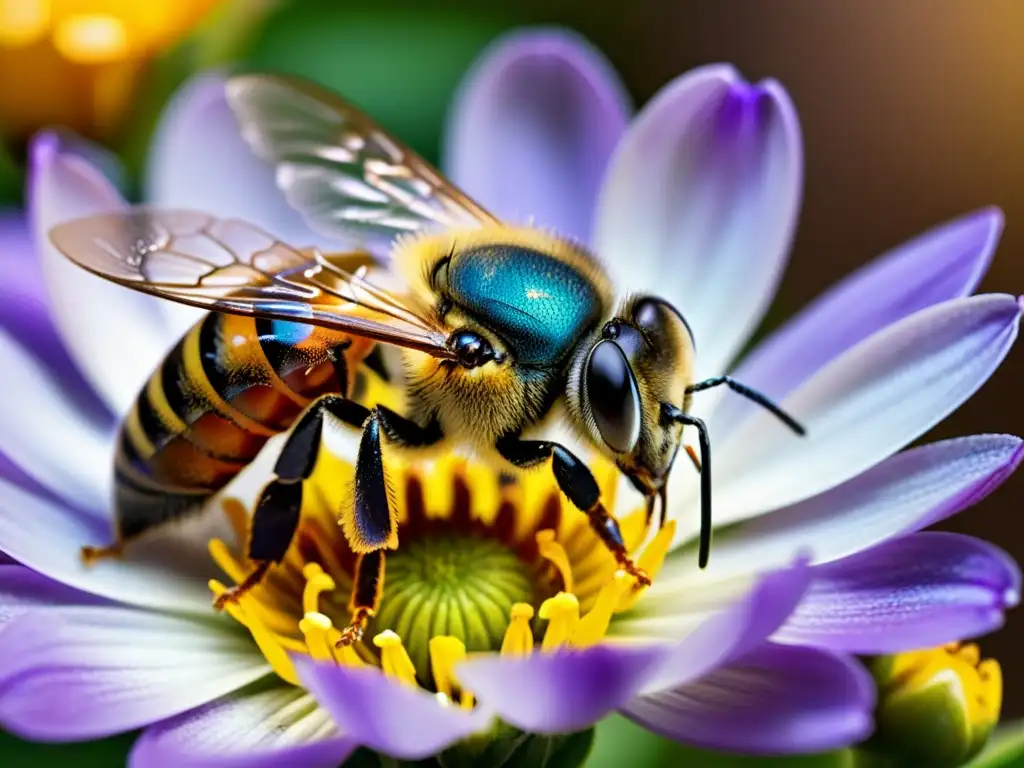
340 170
230 266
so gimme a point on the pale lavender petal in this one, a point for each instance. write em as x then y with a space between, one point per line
776 700
562 691
23 590
533 127
90 312
275 726
48 436
943 263
82 672
199 161
385 715
700 202
862 407
905 493
922 590
732 632
47 536
25 313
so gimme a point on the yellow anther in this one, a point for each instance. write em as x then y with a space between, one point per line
651 560
594 625
226 561
633 527
969 654
316 582
394 659
518 640
990 676
315 628
269 647
563 614
445 653
554 552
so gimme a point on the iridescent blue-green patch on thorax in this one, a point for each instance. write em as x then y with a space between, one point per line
539 304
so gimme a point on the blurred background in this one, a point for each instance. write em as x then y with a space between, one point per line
912 113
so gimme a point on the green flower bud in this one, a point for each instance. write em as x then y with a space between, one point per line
936 707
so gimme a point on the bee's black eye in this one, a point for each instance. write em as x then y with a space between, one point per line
650 313
614 398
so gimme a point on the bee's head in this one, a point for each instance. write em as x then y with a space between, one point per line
637 361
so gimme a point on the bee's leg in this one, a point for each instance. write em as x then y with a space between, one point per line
276 517
370 526
367 584
579 486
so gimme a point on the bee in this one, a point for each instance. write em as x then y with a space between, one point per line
498 326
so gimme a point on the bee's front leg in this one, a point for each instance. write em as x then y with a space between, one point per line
579 486
370 526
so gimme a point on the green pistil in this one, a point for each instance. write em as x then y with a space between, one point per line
451 585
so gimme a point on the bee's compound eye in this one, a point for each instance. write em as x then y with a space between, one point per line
614 398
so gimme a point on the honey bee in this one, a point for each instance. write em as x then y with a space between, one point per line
497 325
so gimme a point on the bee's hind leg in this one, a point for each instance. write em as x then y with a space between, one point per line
276 517
580 487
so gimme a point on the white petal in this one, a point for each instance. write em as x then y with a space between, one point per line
907 492
700 201
84 672
47 537
281 725
865 405
47 436
115 335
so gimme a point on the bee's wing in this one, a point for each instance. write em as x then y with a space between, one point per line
342 172
226 265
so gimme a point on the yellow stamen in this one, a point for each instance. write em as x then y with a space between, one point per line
554 552
651 560
315 628
969 654
594 625
269 647
445 653
633 528
990 693
316 582
237 517
518 639
225 560
394 659
563 614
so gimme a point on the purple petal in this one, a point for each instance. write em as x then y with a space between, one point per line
700 202
923 590
736 630
82 672
905 493
533 127
198 160
25 314
776 700
386 716
22 590
944 263
88 310
865 405
281 725
561 691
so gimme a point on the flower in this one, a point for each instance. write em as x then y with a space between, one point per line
938 706
697 197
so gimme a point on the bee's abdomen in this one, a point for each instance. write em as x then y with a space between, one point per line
229 385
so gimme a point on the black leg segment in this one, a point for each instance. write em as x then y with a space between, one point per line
578 484
367 585
671 413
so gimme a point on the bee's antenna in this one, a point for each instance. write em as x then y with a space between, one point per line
750 394
671 413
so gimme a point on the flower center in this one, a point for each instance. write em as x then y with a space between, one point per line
451 585
482 565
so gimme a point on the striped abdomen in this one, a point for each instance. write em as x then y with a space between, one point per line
229 385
